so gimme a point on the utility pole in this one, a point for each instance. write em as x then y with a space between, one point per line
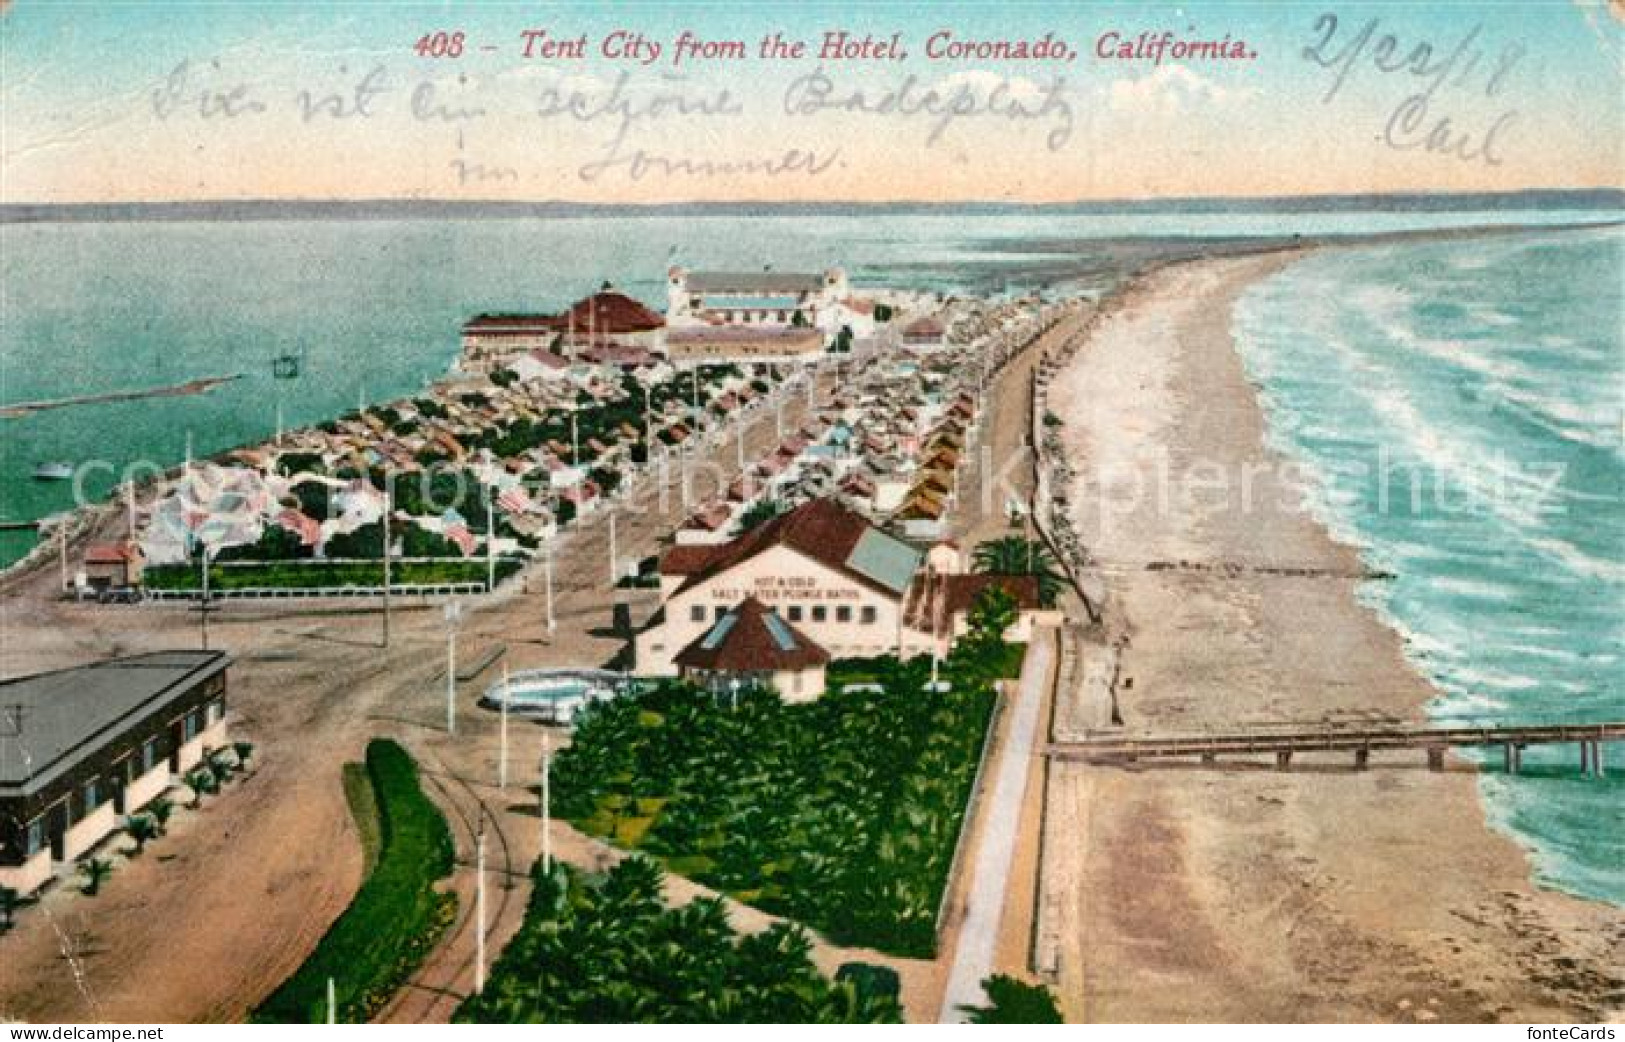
453 612
203 606
490 541
547 803
502 755
62 553
332 1004
552 623
479 909
389 515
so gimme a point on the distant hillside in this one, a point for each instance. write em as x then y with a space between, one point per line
408 209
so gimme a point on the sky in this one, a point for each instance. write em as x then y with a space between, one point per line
158 101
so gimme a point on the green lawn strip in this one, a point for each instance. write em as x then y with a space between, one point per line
287 575
841 813
396 916
606 949
364 811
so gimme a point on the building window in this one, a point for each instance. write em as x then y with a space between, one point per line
719 611
795 613
820 613
149 754
868 615
93 794
216 710
843 613
191 726
696 613
34 842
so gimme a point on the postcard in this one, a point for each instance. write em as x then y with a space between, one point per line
678 513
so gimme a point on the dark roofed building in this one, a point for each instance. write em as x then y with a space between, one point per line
751 645
79 747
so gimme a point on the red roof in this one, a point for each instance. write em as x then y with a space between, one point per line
821 529
751 638
608 312
109 553
950 595
688 560
925 326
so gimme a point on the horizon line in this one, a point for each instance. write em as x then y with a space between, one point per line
1597 192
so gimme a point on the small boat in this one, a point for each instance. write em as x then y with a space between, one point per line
53 472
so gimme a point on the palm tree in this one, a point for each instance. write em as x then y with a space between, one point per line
160 809
95 871
1012 1002
759 512
203 783
141 828
244 750
1015 555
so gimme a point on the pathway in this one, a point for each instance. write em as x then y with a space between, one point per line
1001 816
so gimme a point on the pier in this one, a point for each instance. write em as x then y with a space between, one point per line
1358 742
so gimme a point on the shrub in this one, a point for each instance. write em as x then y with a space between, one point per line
397 915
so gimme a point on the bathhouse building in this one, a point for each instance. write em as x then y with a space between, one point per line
762 298
82 747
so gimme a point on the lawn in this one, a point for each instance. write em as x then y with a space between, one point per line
841 813
605 949
396 916
323 574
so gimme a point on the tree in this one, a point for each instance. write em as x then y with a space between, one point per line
992 614
9 900
1012 1002
160 809
95 871
141 828
759 512
1014 555
203 783
244 751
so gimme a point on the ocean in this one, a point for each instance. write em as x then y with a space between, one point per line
1489 357
1458 404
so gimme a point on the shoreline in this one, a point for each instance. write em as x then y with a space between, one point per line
1250 895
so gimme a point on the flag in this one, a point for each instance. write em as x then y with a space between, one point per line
308 529
456 529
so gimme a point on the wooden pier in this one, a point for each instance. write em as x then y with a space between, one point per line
1358 742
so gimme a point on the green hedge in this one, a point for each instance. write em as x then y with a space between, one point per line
396 916
324 574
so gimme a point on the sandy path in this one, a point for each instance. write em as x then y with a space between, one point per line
1245 894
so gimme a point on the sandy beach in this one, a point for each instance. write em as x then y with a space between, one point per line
1241 893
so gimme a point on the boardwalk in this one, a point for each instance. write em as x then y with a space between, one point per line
1360 741
1001 814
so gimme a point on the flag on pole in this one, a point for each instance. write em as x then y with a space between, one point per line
456 529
